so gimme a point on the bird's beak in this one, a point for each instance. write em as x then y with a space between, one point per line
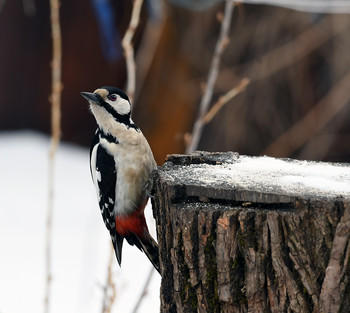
90 96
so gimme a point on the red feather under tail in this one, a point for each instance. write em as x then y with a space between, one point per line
134 228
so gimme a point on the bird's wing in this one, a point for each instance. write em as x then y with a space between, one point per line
105 181
104 176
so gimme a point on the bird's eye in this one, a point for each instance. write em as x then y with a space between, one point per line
112 97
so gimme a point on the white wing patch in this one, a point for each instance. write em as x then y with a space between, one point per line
96 175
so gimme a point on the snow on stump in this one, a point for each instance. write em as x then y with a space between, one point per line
252 234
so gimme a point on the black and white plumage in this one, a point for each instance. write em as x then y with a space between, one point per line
121 162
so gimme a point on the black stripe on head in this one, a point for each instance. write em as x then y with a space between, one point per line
117 91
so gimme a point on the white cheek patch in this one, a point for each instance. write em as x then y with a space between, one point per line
121 106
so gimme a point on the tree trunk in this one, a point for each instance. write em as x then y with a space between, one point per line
252 234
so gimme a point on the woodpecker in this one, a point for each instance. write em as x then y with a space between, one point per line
121 162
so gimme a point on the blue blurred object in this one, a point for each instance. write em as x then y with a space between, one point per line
109 35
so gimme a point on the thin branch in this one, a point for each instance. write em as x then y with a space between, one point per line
313 122
212 77
242 85
56 88
129 49
110 293
144 290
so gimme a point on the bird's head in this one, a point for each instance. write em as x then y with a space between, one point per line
109 105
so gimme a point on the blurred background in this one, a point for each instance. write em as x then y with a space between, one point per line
296 55
298 63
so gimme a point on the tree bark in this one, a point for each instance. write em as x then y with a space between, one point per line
243 234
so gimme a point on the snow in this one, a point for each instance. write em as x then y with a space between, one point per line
80 243
285 176
293 176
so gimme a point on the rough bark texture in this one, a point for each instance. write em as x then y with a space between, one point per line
228 248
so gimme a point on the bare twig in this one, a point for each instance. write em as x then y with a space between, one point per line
129 49
110 293
144 290
55 98
313 122
213 74
224 99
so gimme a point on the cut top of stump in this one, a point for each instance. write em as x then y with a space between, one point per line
230 177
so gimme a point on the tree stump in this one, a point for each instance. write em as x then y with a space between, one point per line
252 234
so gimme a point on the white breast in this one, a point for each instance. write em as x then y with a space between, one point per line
134 164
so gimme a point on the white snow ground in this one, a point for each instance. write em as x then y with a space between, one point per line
80 245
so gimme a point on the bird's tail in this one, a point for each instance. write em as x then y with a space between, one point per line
118 245
150 247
